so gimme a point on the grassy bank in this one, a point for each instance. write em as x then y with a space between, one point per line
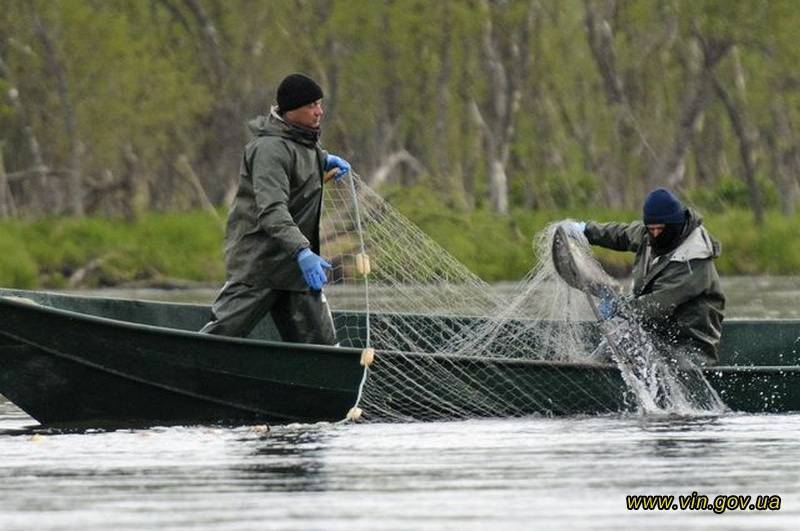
90 252
54 253
500 248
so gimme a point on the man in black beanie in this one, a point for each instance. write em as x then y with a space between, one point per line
676 288
272 239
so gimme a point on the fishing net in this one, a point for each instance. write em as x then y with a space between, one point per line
450 346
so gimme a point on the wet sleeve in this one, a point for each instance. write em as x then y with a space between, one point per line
680 282
271 171
615 236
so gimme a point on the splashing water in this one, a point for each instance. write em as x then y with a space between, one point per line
449 347
661 377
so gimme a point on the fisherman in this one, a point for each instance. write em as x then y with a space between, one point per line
676 288
272 256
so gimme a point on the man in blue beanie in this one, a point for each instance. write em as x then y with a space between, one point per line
272 255
676 288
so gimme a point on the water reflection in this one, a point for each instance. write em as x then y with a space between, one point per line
680 436
13 420
514 473
285 460
677 423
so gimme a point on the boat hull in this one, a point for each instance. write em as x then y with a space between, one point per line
86 370
93 362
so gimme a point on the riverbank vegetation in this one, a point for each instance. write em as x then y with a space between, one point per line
122 123
119 108
185 248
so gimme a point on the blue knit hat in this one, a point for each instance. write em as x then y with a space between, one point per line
662 207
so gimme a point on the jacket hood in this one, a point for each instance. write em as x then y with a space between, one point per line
274 125
697 242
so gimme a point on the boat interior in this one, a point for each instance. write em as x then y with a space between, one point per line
744 343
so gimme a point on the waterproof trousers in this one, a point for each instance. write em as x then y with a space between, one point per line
300 316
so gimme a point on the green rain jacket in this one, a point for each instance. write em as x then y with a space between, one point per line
678 294
278 205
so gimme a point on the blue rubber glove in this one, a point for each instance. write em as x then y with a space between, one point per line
332 161
575 228
313 268
607 307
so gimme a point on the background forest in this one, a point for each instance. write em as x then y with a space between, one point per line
478 118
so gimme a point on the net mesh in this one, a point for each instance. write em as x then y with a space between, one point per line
450 346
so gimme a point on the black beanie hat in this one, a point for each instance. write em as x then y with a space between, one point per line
297 90
662 207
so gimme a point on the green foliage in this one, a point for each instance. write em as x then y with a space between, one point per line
188 246
493 247
731 193
150 81
500 248
126 89
748 249
108 252
17 267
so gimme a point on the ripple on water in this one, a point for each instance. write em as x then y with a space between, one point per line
509 474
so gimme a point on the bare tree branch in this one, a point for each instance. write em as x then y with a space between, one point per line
390 162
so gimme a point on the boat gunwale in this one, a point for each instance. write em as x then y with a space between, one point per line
6 294
16 301
272 343
168 331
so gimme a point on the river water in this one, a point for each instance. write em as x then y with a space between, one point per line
538 472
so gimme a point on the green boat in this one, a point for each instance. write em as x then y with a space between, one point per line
76 361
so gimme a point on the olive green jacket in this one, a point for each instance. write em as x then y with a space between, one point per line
277 207
678 294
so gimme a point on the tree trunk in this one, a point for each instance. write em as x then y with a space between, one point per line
498 181
601 44
449 172
39 168
184 168
737 118
670 169
7 206
496 120
785 158
135 200
211 40
74 185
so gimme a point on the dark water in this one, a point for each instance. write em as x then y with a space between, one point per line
545 473
505 474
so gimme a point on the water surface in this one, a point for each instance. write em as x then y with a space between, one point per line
572 472
549 473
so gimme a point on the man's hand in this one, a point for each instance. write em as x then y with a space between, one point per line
575 228
332 161
313 268
607 308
